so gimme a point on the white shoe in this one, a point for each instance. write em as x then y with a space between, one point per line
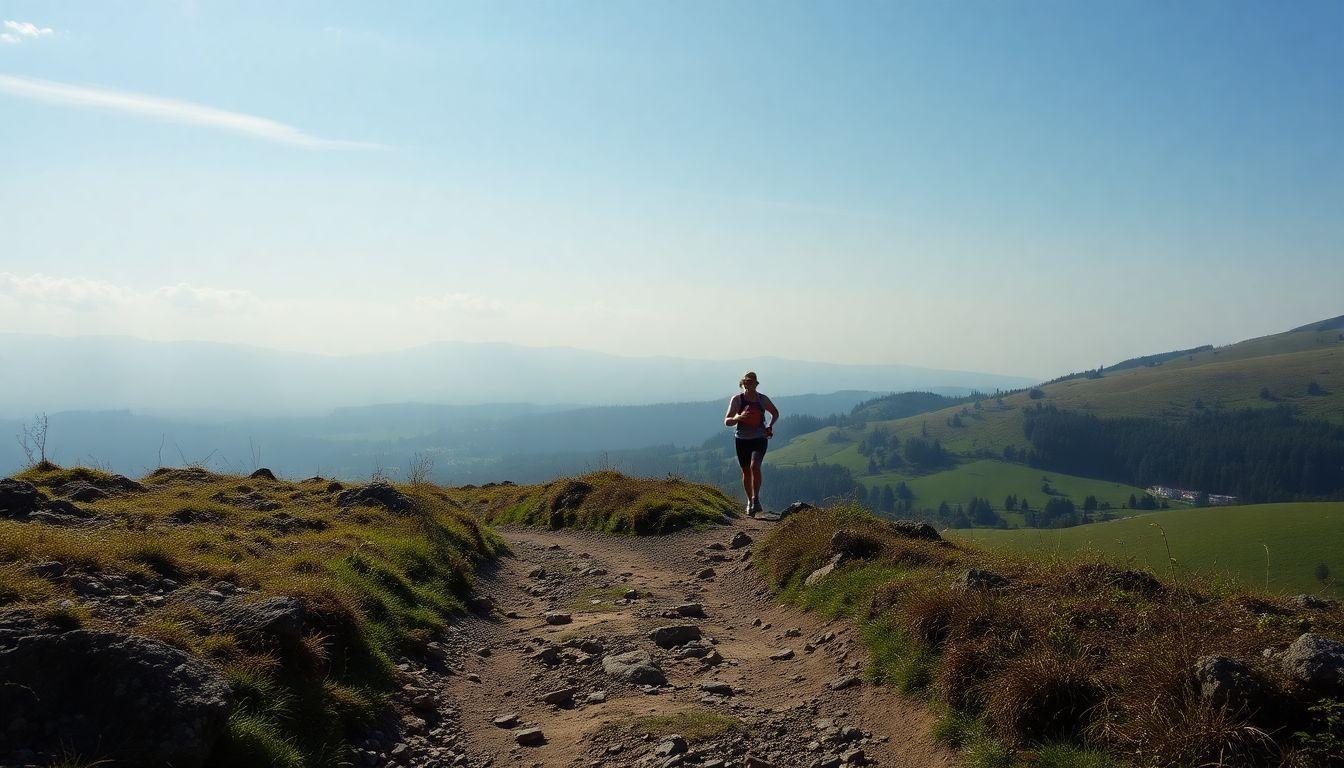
751 509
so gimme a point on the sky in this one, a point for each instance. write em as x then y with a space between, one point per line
1028 188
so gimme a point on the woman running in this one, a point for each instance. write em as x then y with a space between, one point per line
746 412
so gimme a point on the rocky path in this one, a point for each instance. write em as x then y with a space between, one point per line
598 648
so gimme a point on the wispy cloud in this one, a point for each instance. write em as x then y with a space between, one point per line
16 32
468 303
171 110
85 294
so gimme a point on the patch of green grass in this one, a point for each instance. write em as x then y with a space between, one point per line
1220 541
604 501
896 658
251 739
693 725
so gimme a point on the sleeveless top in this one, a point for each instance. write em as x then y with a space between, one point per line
741 431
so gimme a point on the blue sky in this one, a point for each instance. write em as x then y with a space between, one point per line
1022 187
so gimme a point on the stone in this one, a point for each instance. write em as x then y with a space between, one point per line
979 579
506 720
81 491
705 573
740 540
854 757
635 667
782 655
672 745
559 697
1312 602
556 618
272 621
840 684
795 508
262 474
530 737
716 687
824 571
126 698
915 529
1226 682
1317 662
18 500
674 635
376 495
690 610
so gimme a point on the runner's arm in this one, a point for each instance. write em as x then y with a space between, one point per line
730 418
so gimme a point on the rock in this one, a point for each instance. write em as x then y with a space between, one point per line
79 490
635 667
977 579
262 474
690 610
674 634
705 573
48 570
556 618
376 495
18 499
716 687
782 655
840 684
752 761
122 697
1226 682
854 545
854 757
530 737
1312 602
596 697
560 697
481 603
916 529
506 720
273 621
631 594
537 573
795 508
824 571
740 540
1317 662
672 745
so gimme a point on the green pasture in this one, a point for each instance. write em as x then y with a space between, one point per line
1225 542
994 480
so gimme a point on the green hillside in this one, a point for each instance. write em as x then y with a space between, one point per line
1228 541
995 480
1229 378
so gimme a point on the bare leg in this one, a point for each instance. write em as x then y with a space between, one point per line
755 478
747 482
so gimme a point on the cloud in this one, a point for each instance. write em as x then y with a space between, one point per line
469 303
91 295
16 32
170 110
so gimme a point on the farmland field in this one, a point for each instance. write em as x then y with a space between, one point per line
1222 541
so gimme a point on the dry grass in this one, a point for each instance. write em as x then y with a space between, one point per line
374 584
1076 653
602 501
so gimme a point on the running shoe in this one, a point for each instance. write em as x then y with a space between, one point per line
756 506
751 509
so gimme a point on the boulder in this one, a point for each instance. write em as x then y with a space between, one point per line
530 737
18 499
1226 682
376 495
674 635
740 540
1312 602
916 529
271 622
1317 662
794 508
126 698
978 579
79 490
262 474
635 667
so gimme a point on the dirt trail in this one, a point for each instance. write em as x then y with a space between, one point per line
798 711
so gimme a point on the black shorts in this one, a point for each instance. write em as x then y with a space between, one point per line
746 449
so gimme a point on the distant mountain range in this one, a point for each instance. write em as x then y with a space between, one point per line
51 373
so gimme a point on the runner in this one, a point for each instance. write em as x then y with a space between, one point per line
746 412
